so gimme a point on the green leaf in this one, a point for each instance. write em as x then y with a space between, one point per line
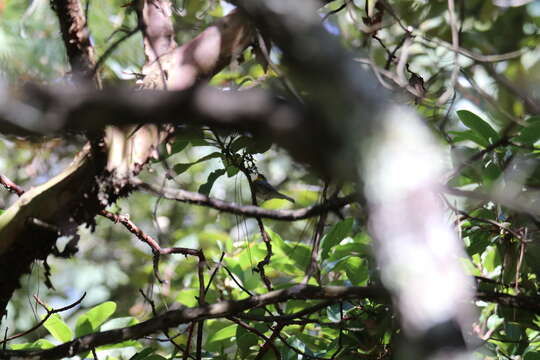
252 145
119 322
232 170
531 355
475 123
36 345
155 357
244 340
91 320
240 143
514 332
58 328
182 167
334 312
178 145
338 232
494 322
478 241
224 333
530 134
260 146
300 254
469 135
356 270
207 187
141 355
491 259
188 297
120 345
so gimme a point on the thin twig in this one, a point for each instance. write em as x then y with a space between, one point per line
317 236
270 342
244 210
45 318
10 185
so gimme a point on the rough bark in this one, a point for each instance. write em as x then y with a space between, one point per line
79 49
77 194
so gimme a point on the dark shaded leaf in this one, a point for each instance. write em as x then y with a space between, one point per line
475 123
207 187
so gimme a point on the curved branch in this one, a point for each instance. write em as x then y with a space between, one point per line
174 318
11 186
244 210
44 319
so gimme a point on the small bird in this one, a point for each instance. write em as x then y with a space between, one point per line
264 191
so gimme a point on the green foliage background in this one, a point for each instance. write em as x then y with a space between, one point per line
484 118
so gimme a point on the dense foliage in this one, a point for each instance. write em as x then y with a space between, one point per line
480 97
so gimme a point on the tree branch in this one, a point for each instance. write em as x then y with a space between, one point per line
174 318
10 185
80 52
244 210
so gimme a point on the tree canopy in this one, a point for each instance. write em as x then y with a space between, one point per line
398 211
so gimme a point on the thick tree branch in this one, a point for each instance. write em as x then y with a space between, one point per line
80 52
156 24
254 111
174 318
74 196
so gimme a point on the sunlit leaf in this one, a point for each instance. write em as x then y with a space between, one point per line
58 328
224 333
93 318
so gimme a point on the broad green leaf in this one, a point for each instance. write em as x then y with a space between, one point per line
348 249
58 328
531 133
120 345
141 355
334 312
260 146
475 123
240 143
182 167
257 145
37 345
301 254
532 355
207 187
91 320
468 135
225 333
494 322
478 241
356 270
491 173
178 145
119 322
338 232
188 297
514 332
244 340
232 170
155 357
